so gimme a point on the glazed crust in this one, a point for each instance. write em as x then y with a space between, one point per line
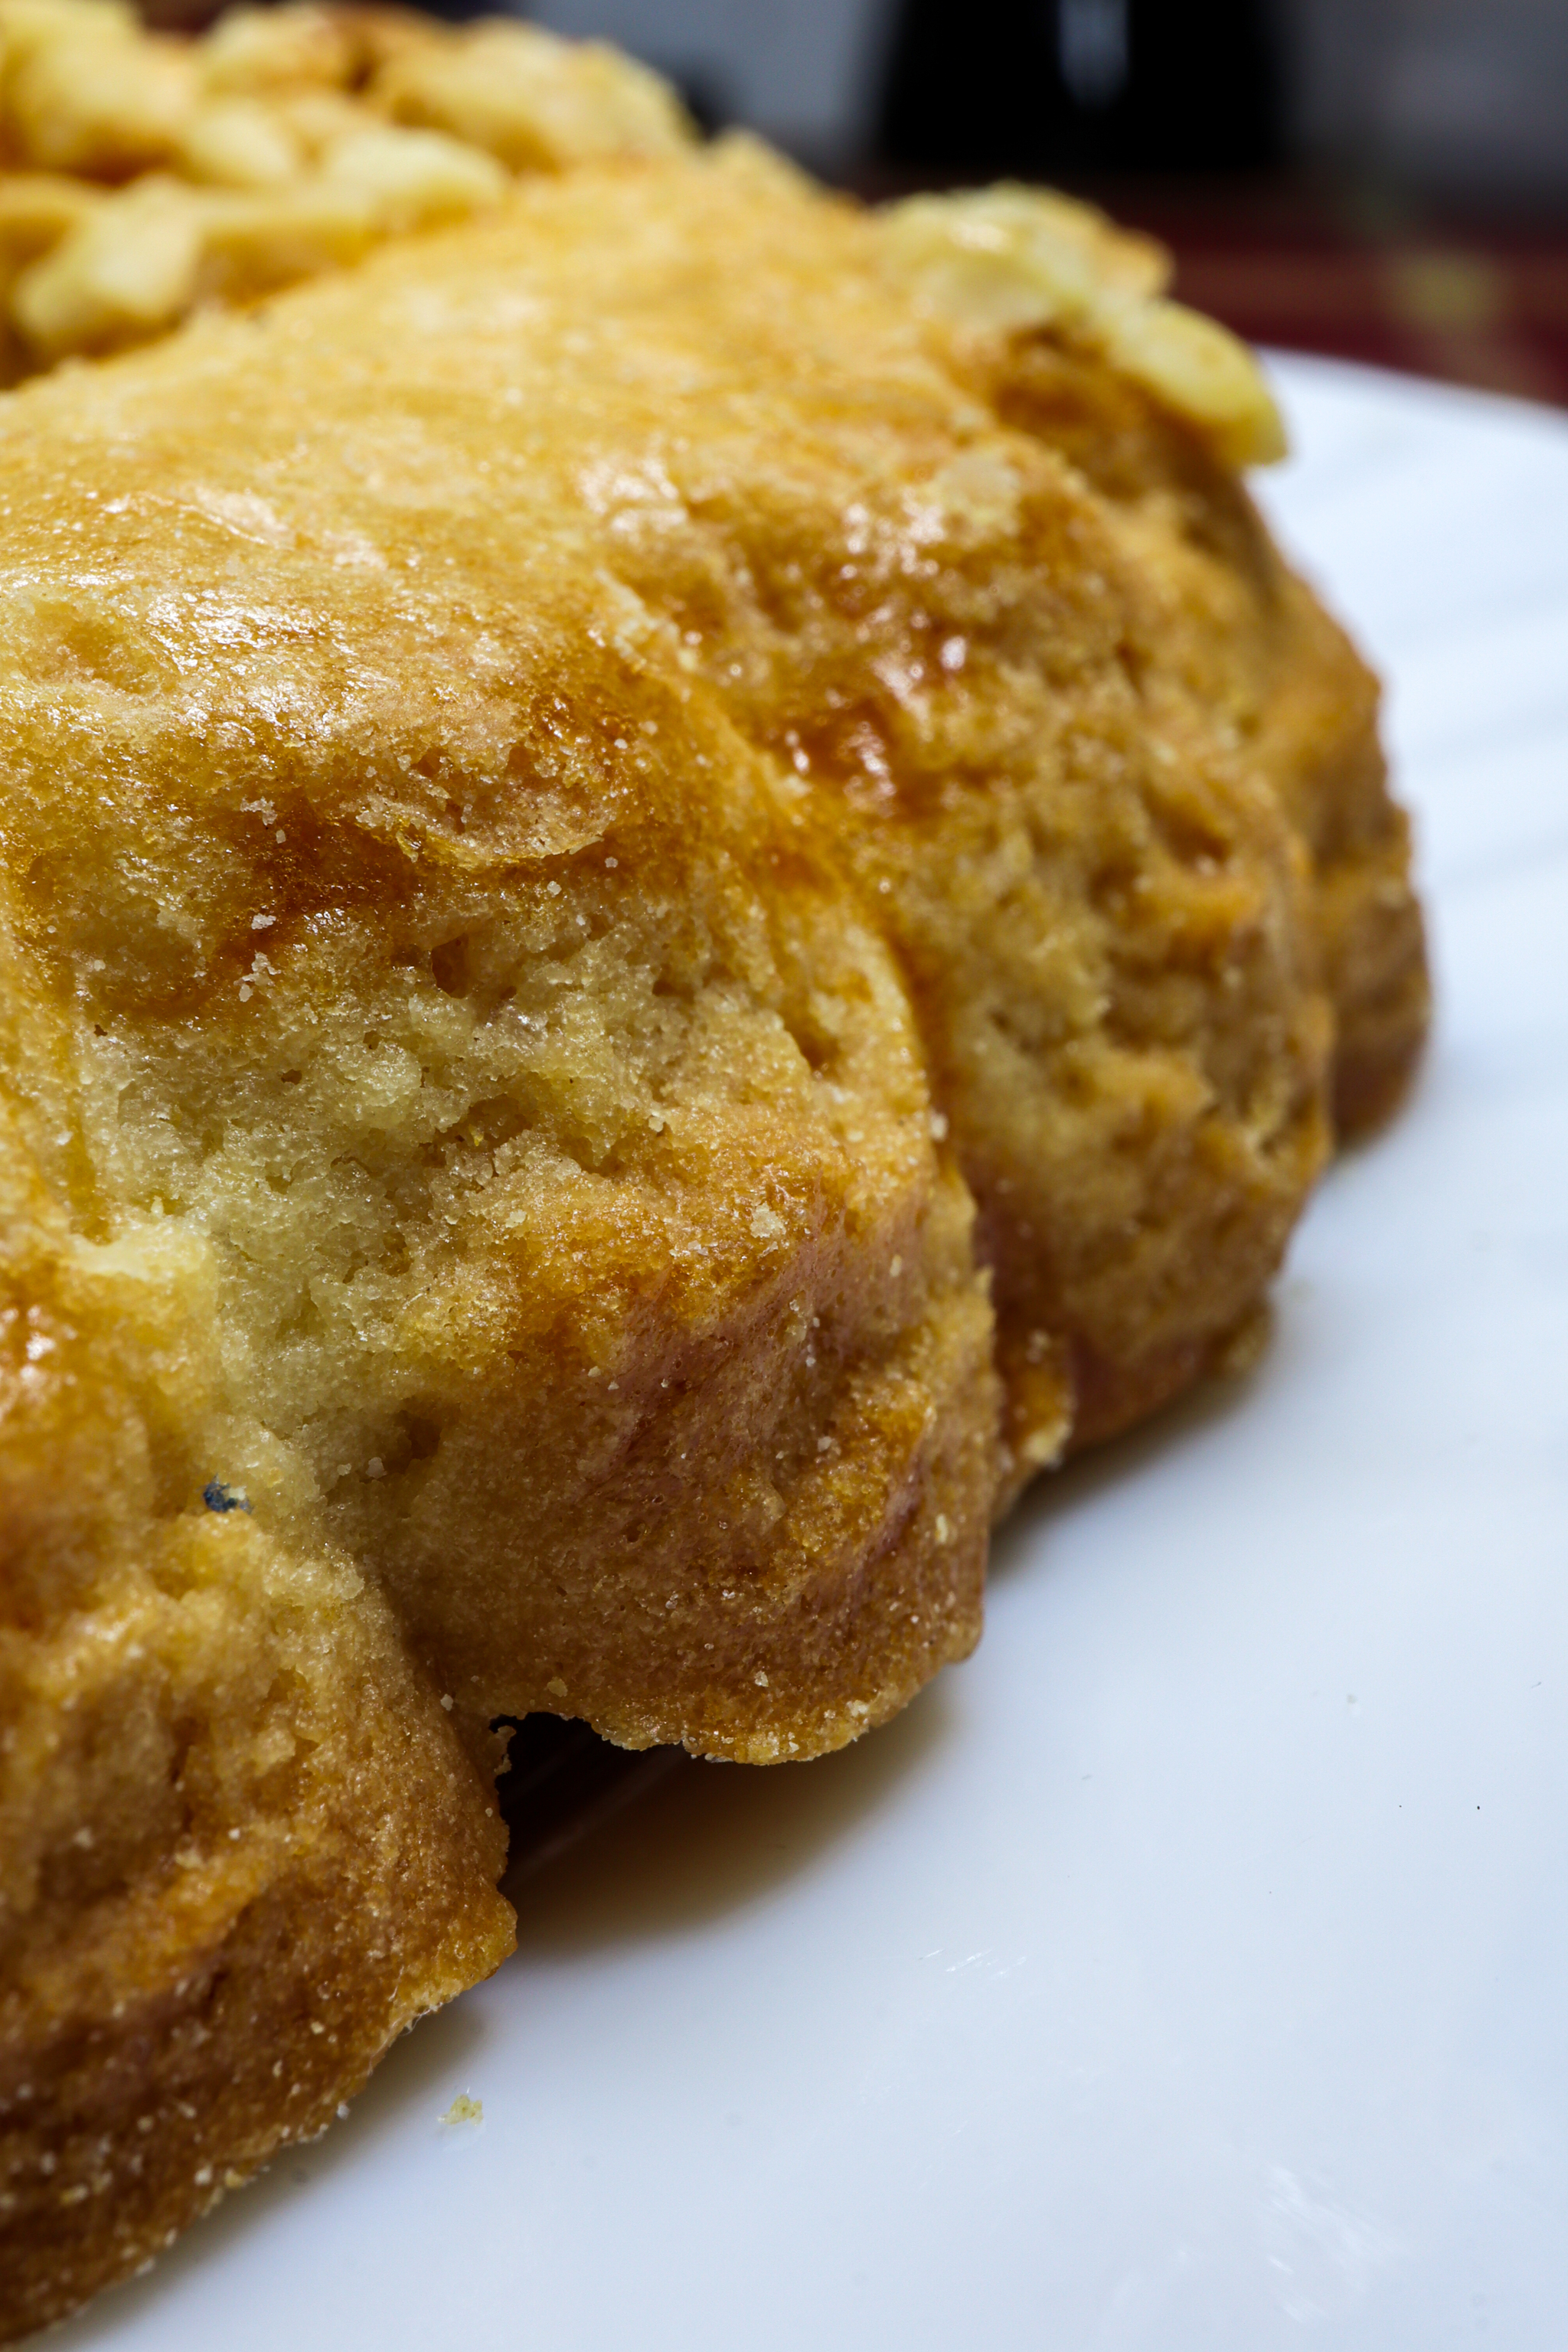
646 958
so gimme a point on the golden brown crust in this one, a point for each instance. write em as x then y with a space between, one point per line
228 2012
1262 652
648 951
243 1848
1096 897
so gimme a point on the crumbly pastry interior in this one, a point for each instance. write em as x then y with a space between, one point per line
680 886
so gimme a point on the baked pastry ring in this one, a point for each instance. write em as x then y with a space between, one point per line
571 803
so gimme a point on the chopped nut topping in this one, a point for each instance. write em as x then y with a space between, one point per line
1009 259
286 141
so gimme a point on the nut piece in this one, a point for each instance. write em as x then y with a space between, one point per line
318 119
257 241
1010 256
238 142
125 271
1201 371
257 49
1011 260
36 208
538 103
412 179
94 97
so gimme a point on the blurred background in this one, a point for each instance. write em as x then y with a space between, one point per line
1386 180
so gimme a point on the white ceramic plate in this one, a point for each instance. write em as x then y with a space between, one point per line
1188 1971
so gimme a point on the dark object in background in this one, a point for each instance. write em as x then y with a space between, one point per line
562 1780
1067 88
